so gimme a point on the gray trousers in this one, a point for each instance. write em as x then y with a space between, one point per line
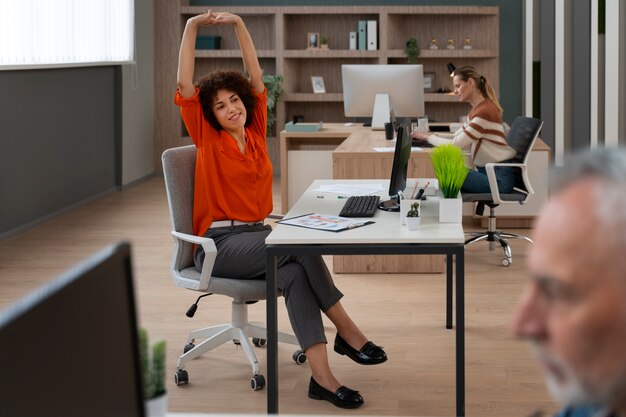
304 281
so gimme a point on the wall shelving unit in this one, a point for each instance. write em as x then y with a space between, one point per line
280 36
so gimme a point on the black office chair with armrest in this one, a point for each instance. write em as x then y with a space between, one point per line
179 166
521 137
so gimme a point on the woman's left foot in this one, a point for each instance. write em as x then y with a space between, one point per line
369 354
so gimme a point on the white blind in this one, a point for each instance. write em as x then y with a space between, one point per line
36 33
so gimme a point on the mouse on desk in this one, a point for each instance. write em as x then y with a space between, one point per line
348 124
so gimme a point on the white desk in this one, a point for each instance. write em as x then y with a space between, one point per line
386 236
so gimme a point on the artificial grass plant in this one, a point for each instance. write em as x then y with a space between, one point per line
450 169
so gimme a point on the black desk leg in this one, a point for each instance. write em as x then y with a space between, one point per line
460 333
449 269
272 333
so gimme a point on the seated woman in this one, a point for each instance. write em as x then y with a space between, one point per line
483 133
225 114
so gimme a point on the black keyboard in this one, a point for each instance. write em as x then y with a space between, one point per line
421 143
360 206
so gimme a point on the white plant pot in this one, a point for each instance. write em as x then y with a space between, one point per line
412 222
405 205
450 209
156 407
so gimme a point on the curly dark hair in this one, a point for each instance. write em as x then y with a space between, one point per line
225 80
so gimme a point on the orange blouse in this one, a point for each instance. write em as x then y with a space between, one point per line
229 185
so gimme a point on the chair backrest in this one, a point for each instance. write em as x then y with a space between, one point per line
179 166
522 136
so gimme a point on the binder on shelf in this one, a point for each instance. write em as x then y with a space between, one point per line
362 35
352 41
372 38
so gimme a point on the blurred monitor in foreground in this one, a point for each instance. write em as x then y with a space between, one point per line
70 348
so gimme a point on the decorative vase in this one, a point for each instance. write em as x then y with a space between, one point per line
450 209
157 406
412 222
324 46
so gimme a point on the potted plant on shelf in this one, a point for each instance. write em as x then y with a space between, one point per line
274 85
413 216
153 368
324 42
450 170
412 50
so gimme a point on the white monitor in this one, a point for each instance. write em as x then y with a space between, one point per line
374 90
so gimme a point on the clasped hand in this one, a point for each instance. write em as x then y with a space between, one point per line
213 18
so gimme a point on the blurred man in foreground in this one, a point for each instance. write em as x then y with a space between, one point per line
574 309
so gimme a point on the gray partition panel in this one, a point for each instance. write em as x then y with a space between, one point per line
57 138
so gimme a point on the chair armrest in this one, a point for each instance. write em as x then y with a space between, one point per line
493 183
210 251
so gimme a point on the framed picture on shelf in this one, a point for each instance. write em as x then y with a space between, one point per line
318 85
313 40
429 82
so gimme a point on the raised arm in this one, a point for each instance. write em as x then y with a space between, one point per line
186 57
248 52
187 53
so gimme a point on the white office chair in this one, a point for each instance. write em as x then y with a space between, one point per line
521 137
179 172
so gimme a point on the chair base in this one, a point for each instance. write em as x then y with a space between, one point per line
500 237
239 330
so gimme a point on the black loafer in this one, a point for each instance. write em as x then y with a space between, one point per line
344 397
370 354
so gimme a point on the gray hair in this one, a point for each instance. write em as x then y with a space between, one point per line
608 165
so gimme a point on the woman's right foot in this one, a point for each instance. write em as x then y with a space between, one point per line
369 354
344 397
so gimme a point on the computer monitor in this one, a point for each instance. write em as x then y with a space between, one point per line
70 348
399 167
375 90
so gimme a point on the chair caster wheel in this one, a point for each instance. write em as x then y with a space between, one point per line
181 377
299 357
257 382
506 262
259 342
188 347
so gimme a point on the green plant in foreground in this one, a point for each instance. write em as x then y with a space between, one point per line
152 366
450 169
274 86
414 210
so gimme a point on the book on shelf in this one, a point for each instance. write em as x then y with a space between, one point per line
353 41
372 38
362 35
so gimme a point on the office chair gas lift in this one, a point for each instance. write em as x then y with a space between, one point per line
521 137
179 171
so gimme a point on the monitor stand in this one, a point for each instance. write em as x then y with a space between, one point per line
380 115
392 204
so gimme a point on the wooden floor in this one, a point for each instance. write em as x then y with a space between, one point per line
404 313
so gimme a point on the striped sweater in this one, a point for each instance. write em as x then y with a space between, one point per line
483 134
